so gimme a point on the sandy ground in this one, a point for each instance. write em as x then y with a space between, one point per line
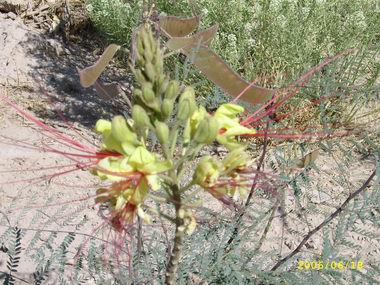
39 73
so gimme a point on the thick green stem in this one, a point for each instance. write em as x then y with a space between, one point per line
171 270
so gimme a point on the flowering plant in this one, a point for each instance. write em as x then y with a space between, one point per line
163 108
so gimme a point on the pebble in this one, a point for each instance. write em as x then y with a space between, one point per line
12 16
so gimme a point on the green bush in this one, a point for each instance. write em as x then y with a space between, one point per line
274 40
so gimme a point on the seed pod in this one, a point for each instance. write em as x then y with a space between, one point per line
207 130
172 90
148 94
140 117
150 72
167 108
120 130
162 132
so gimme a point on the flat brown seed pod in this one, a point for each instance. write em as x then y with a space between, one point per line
178 27
90 74
307 159
218 71
203 37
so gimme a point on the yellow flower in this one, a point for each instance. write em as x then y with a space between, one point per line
229 123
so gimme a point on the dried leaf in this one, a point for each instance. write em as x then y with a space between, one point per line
307 159
203 37
178 27
89 75
215 69
107 91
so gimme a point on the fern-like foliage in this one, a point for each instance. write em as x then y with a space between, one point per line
13 251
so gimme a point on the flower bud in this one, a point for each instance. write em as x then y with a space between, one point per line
140 77
163 83
143 34
102 126
162 132
139 47
167 108
185 109
158 61
152 40
187 105
137 93
187 93
120 130
172 90
148 95
150 71
207 172
207 130
140 117
148 55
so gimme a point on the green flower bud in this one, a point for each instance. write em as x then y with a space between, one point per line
167 108
102 126
162 132
120 130
148 55
148 94
187 105
143 34
139 47
207 172
140 117
187 93
155 105
150 72
152 40
186 108
207 130
137 93
163 84
140 77
172 90
158 62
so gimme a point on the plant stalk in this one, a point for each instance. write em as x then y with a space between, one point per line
171 270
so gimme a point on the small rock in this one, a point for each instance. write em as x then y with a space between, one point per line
11 15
